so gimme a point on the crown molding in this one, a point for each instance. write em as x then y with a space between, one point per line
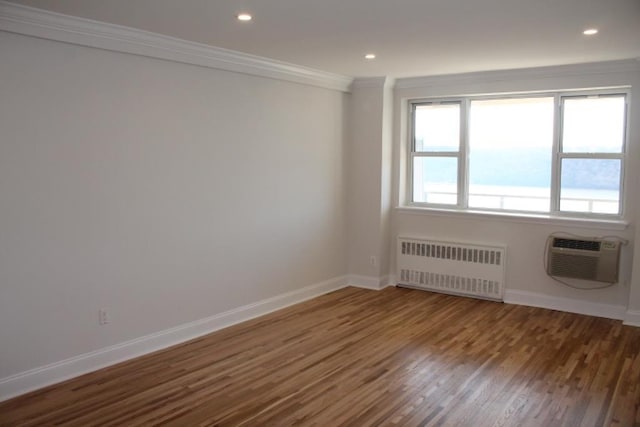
571 70
40 23
378 82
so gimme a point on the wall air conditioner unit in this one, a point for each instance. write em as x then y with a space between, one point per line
587 259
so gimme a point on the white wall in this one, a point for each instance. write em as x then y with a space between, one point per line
162 191
525 239
169 193
369 175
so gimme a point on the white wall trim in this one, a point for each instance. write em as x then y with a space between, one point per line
533 299
632 318
391 280
388 280
43 376
373 82
369 82
368 282
524 218
606 67
34 22
34 379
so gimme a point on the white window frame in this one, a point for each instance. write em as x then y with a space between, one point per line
557 155
460 155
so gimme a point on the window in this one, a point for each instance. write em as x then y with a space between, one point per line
551 153
436 153
591 153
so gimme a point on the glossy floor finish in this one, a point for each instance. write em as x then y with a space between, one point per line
356 357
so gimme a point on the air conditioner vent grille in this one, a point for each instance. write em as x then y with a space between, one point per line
585 245
576 266
588 259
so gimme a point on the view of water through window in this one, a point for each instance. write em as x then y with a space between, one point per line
510 148
510 154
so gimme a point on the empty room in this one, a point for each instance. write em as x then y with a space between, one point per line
319 213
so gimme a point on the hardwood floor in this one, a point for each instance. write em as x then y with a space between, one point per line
355 357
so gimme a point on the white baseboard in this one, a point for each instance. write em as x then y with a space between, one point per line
533 299
369 282
632 318
391 280
43 376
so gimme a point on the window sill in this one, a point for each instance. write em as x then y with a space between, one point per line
599 223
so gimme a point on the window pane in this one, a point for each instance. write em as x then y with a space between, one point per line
510 148
593 125
590 185
437 127
435 180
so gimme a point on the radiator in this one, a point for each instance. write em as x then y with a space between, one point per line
451 267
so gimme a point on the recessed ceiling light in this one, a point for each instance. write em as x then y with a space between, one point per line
244 17
590 31
370 56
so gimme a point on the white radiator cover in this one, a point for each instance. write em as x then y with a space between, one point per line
456 268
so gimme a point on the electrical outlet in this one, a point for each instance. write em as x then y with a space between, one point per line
372 260
103 316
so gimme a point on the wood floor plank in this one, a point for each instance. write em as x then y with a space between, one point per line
396 357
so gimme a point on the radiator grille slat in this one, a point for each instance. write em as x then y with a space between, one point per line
451 267
458 253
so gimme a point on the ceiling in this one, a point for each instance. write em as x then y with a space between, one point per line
409 37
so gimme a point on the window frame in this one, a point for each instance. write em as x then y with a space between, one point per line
557 155
413 154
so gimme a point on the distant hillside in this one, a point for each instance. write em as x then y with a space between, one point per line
530 167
